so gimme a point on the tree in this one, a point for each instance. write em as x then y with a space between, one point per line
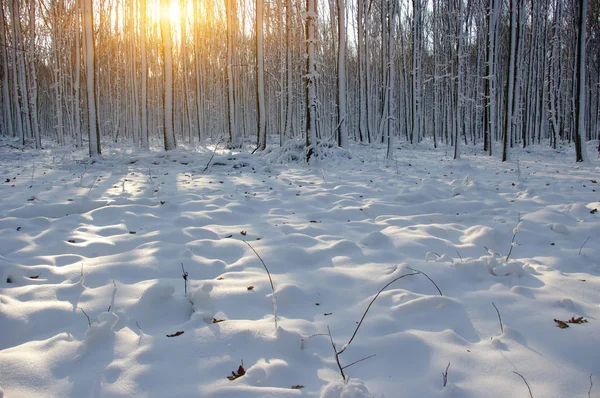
90 69
311 79
144 142
580 81
7 127
510 81
168 123
341 76
260 78
230 12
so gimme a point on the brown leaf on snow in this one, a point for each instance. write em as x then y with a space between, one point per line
594 211
240 372
34 277
244 233
175 334
250 287
71 241
220 278
561 324
297 387
578 320
215 320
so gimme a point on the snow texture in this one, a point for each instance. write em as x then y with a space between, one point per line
109 238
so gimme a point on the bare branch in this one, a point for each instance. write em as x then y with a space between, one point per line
270 280
445 375
360 360
427 276
86 315
586 241
370 304
337 354
499 317
527 384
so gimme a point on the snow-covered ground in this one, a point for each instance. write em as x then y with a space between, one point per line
109 239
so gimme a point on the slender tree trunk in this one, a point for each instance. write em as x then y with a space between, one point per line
6 99
261 143
289 69
168 122
144 139
580 80
77 88
90 65
230 92
341 76
510 81
311 79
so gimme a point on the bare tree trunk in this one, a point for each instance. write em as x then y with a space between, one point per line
33 88
168 122
289 69
144 139
260 78
341 76
580 80
90 65
311 79
77 88
230 92
510 81
8 127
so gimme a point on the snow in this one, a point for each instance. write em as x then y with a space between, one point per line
109 238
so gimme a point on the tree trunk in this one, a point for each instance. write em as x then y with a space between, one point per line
90 65
580 80
341 76
261 143
311 79
168 122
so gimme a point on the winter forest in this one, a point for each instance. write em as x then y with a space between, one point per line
491 74
300 198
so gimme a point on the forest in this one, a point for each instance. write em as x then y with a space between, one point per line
481 73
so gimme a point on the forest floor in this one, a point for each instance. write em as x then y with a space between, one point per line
514 249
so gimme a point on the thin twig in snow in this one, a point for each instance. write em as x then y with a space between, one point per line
581 248
445 375
337 354
86 315
185 276
499 318
515 232
527 384
369 307
360 360
212 156
591 384
427 276
270 280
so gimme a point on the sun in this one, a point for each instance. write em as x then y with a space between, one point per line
170 11
174 13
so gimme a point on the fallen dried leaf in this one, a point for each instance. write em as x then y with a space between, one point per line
244 233
175 334
215 320
220 278
132 232
561 324
240 372
297 387
594 211
34 277
250 287
71 241
578 320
